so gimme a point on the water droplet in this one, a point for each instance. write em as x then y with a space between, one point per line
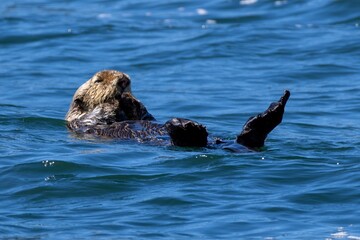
280 3
48 163
104 15
210 21
201 11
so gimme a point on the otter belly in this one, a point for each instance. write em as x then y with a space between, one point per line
177 131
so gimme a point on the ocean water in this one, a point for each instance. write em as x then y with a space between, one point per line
217 62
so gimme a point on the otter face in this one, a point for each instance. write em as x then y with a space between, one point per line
104 87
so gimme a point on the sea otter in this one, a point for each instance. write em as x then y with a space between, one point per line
105 106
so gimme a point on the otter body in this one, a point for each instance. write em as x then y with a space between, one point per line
105 106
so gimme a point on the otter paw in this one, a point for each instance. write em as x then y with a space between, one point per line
186 133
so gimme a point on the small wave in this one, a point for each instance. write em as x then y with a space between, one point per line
166 201
11 106
23 39
33 122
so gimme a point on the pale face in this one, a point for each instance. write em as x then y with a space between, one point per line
105 86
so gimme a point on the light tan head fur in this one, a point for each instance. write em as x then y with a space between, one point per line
104 87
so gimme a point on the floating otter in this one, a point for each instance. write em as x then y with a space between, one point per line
105 106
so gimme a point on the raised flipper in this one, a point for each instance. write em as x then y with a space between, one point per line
258 127
186 133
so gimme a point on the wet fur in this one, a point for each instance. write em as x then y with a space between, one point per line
104 87
105 106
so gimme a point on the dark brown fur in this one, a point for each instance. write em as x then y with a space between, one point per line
105 106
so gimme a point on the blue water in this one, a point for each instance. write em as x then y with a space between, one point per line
217 62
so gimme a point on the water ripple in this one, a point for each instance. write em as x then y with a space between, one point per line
217 62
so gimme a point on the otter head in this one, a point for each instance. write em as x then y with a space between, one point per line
104 87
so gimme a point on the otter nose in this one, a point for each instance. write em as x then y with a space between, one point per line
123 82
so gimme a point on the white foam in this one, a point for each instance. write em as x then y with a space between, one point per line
210 21
339 235
201 11
280 3
104 15
247 2
353 237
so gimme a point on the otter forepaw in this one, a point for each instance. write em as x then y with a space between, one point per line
186 133
133 108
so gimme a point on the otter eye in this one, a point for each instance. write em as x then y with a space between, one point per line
99 80
78 101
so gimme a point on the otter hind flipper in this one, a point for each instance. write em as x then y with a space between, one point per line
258 127
186 133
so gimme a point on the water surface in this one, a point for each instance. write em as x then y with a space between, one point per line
217 62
